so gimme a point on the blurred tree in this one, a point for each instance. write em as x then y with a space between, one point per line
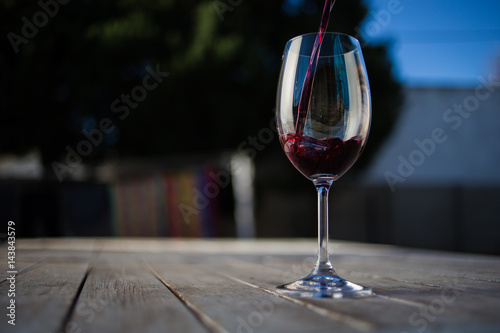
156 77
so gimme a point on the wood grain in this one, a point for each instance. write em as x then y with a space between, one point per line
43 296
122 295
220 286
237 306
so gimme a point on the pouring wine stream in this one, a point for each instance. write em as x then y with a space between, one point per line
305 96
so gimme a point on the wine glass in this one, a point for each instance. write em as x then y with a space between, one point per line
325 137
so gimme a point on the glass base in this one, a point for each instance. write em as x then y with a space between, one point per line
323 286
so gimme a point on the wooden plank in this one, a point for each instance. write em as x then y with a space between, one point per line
19 268
228 286
371 310
57 244
46 284
239 307
122 295
462 276
206 246
476 276
43 296
403 304
476 267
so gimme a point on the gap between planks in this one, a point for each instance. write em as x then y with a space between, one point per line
27 269
71 309
95 253
376 277
394 299
205 320
355 323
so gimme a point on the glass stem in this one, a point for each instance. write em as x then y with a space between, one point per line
323 265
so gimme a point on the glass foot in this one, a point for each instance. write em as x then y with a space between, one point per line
323 286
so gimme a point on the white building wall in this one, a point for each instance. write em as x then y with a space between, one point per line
459 135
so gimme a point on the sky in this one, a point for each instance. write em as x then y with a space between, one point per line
437 42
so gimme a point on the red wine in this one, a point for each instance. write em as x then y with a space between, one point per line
305 95
330 157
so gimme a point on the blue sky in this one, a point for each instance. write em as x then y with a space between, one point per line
437 42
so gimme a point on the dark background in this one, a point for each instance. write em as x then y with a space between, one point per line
66 67
223 62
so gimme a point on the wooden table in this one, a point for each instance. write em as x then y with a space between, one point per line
172 285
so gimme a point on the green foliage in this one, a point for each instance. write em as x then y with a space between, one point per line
223 62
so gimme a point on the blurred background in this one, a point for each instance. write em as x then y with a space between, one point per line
156 118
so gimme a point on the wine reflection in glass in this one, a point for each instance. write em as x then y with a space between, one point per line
323 120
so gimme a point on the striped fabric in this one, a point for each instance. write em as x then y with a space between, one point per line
174 203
